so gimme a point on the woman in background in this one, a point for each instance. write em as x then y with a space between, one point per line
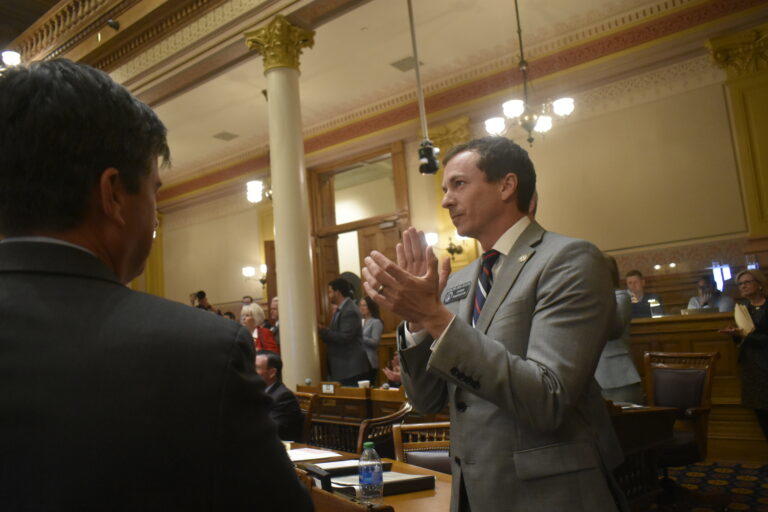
372 329
616 373
252 318
753 347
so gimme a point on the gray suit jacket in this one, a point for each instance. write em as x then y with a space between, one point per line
118 400
529 429
372 330
616 368
344 339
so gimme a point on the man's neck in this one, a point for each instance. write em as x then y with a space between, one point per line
488 240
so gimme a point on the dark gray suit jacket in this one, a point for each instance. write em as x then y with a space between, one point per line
286 412
528 423
118 400
344 339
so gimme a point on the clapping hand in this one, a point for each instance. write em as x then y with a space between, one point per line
411 287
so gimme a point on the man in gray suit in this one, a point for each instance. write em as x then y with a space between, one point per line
510 343
112 399
347 362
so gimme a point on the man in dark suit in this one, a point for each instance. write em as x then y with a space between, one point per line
641 301
112 399
509 342
285 410
347 362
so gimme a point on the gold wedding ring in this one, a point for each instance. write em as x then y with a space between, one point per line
380 289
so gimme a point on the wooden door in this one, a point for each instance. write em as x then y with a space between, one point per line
269 259
383 238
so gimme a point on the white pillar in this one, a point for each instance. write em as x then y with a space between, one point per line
280 43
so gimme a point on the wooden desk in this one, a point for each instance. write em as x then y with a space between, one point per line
437 499
641 433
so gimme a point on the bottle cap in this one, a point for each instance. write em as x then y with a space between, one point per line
369 444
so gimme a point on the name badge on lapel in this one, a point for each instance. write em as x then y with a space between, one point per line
457 293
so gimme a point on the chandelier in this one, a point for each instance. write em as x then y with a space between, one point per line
520 112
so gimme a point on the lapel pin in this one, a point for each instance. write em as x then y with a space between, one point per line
522 258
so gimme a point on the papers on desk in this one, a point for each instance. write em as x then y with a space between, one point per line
394 483
300 454
628 405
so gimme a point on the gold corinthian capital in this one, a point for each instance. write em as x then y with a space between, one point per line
280 43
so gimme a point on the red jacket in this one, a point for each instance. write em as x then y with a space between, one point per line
265 341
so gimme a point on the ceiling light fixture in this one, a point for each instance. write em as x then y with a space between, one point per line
520 111
9 58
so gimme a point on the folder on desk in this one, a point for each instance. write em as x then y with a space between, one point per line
394 483
338 467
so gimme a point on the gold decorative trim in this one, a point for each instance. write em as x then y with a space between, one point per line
743 57
280 43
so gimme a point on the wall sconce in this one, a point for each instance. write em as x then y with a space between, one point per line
249 272
454 249
256 190
431 238
263 278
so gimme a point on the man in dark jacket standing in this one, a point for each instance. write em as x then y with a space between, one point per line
112 399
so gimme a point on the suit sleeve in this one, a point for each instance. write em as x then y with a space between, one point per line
573 311
286 413
427 391
350 329
252 470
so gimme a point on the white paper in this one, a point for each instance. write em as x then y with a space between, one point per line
387 476
338 464
301 454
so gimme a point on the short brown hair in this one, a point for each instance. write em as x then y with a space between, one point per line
634 273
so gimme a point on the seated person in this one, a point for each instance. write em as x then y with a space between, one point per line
709 297
392 372
285 410
252 318
637 296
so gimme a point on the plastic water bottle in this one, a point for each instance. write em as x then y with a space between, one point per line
371 474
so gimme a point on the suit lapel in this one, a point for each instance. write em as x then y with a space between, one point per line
518 256
464 308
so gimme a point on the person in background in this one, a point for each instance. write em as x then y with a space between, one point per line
709 297
247 299
273 322
373 327
392 372
230 315
753 347
252 318
639 299
616 372
285 410
347 362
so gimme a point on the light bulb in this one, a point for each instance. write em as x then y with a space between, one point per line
263 269
513 108
249 271
431 238
254 191
11 58
563 106
495 125
543 124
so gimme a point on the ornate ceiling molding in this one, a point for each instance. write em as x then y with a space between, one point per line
743 54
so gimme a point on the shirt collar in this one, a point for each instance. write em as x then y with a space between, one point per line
507 240
45 239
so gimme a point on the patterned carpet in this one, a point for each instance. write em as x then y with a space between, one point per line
739 486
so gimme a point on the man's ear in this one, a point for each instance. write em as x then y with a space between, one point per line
508 186
112 194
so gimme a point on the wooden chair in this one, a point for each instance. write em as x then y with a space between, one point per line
308 404
424 444
379 430
683 381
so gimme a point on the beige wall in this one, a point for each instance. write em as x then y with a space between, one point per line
206 246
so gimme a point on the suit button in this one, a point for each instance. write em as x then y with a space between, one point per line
461 406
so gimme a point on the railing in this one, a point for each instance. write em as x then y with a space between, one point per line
65 25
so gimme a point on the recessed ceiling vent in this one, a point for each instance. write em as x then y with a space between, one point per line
225 136
405 64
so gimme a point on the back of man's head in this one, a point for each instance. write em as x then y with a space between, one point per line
499 156
273 361
342 286
61 125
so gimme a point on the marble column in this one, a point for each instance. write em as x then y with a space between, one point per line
280 44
